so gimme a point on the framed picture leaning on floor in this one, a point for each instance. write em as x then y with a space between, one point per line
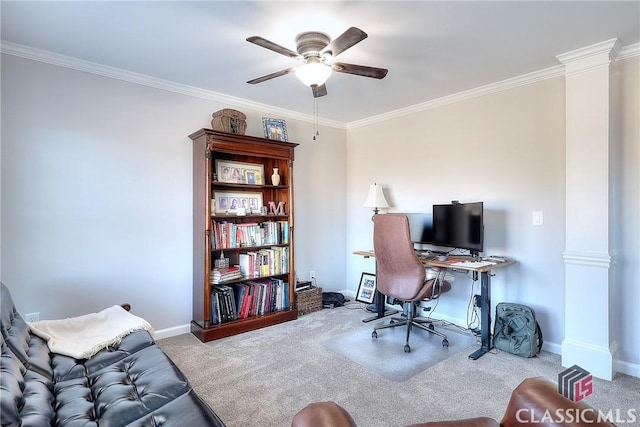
366 288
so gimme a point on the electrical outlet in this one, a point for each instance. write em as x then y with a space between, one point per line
32 317
312 274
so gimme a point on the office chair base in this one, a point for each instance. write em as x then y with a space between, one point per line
411 322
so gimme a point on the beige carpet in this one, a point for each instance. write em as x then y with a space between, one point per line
262 378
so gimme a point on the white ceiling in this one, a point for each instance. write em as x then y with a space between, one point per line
431 48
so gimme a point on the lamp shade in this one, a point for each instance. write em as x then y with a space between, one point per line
313 73
376 198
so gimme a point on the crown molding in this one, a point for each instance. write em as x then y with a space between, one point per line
14 49
629 51
526 79
596 56
605 51
145 80
616 53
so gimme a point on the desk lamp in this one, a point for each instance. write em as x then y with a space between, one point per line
375 199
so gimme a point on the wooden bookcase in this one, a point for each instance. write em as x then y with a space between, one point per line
250 155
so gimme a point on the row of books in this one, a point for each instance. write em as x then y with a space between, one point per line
231 235
264 262
225 275
246 299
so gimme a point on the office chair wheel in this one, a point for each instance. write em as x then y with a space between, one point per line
445 342
407 348
374 334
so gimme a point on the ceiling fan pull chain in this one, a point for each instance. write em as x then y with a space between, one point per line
315 117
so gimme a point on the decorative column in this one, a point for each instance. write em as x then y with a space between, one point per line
588 261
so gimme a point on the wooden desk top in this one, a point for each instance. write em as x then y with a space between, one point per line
458 262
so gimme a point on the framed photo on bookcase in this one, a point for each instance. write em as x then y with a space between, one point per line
239 172
234 203
367 288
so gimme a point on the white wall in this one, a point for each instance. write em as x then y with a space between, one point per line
96 193
625 215
506 149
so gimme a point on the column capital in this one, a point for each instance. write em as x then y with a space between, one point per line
590 57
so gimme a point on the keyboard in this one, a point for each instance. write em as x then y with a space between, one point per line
473 264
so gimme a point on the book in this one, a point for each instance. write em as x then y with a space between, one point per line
224 275
215 312
239 291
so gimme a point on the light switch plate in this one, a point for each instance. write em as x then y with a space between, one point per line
538 218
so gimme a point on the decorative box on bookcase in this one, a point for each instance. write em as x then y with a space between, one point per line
240 216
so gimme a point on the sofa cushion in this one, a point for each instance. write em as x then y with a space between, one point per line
30 350
26 397
66 368
121 392
191 409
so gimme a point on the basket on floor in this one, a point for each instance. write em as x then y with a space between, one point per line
308 301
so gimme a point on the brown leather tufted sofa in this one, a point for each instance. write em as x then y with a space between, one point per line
535 402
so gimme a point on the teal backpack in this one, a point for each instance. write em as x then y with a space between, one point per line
516 330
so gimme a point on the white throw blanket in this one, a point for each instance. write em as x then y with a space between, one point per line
82 337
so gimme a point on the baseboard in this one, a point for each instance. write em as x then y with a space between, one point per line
172 332
627 368
349 294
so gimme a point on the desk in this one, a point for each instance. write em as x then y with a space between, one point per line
463 263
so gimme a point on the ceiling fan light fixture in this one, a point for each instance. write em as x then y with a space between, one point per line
313 73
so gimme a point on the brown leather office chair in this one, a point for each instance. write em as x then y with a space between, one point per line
401 275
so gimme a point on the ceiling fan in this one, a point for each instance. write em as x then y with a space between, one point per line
316 51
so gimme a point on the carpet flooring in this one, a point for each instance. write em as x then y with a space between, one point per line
263 378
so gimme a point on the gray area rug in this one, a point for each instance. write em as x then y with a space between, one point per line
385 355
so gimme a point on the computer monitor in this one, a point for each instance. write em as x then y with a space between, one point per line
420 227
459 225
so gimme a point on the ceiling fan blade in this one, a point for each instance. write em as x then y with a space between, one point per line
360 70
319 91
272 76
344 41
260 41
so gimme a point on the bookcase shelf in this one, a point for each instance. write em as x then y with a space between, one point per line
248 186
259 156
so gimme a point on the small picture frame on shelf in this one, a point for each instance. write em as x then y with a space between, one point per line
239 172
237 203
250 177
366 288
275 129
